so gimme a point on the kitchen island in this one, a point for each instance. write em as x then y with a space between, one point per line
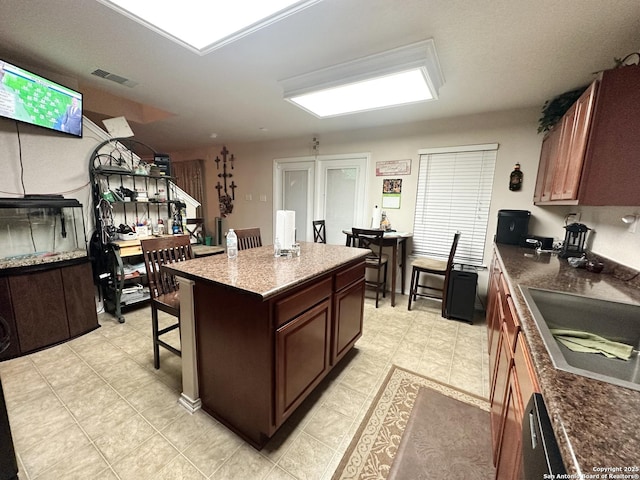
259 333
595 423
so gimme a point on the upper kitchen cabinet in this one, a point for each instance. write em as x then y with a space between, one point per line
591 156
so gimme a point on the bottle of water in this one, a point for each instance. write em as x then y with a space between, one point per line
276 248
232 244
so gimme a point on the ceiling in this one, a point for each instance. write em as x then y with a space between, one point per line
494 55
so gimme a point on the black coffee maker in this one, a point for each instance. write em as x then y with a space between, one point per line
574 240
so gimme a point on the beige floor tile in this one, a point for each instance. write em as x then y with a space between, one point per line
328 426
180 469
89 403
162 415
279 474
65 371
209 451
307 459
85 462
107 418
123 436
246 462
146 461
53 449
184 431
345 400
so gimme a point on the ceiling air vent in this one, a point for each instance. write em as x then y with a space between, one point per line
113 77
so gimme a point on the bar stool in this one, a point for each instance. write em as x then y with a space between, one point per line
434 267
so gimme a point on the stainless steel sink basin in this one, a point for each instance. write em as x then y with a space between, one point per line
612 320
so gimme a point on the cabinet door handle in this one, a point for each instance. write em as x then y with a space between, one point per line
532 427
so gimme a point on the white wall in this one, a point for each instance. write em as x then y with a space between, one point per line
515 131
52 163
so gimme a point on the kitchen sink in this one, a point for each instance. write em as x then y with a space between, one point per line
615 321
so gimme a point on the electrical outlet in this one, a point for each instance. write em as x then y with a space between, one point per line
263 198
248 197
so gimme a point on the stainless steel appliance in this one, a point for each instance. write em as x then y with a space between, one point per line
540 454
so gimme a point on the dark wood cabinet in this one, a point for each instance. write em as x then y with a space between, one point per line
302 357
79 298
39 309
348 310
513 378
49 306
590 156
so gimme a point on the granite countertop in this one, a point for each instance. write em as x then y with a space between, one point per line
30 260
258 272
597 425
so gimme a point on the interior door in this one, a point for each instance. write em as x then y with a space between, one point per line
294 187
341 191
329 187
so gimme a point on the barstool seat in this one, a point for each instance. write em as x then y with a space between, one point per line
432 266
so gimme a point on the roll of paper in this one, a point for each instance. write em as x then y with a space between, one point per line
286 228
376 217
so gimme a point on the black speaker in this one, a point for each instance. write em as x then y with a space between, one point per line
512 226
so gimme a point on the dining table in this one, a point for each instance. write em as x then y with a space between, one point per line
392 239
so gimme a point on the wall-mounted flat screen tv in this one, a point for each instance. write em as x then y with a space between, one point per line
30 98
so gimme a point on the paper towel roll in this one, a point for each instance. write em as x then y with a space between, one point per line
286 228
376 216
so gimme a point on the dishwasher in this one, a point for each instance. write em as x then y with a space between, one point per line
540 453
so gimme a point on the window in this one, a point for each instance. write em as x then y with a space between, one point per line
454 194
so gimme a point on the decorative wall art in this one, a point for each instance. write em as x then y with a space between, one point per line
391 191
226 200
393 167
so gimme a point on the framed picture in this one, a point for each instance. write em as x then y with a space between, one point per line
391 191
393 167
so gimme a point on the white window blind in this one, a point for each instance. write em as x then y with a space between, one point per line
454 194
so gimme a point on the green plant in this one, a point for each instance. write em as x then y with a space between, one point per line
554 109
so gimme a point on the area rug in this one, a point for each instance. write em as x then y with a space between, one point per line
418 428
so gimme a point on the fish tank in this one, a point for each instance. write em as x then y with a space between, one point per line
40 229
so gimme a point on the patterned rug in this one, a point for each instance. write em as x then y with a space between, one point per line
418 428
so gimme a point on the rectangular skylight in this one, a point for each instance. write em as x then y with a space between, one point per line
380 92
204 25
399 76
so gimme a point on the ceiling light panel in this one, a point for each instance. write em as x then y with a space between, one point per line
381 92
203 25
400 76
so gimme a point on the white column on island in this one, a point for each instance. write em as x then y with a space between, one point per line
190 397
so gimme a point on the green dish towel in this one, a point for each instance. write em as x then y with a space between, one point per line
578 341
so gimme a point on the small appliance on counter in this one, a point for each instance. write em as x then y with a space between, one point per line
574 240
513 226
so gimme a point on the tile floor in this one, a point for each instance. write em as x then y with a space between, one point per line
94 407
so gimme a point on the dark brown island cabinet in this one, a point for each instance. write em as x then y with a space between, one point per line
268 330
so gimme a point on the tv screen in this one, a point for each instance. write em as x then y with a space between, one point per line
29 98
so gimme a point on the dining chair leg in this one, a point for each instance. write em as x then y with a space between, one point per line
156 347
412 288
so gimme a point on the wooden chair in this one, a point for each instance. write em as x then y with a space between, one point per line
376 260
248 238
162 286
434 267
319 232
195 229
